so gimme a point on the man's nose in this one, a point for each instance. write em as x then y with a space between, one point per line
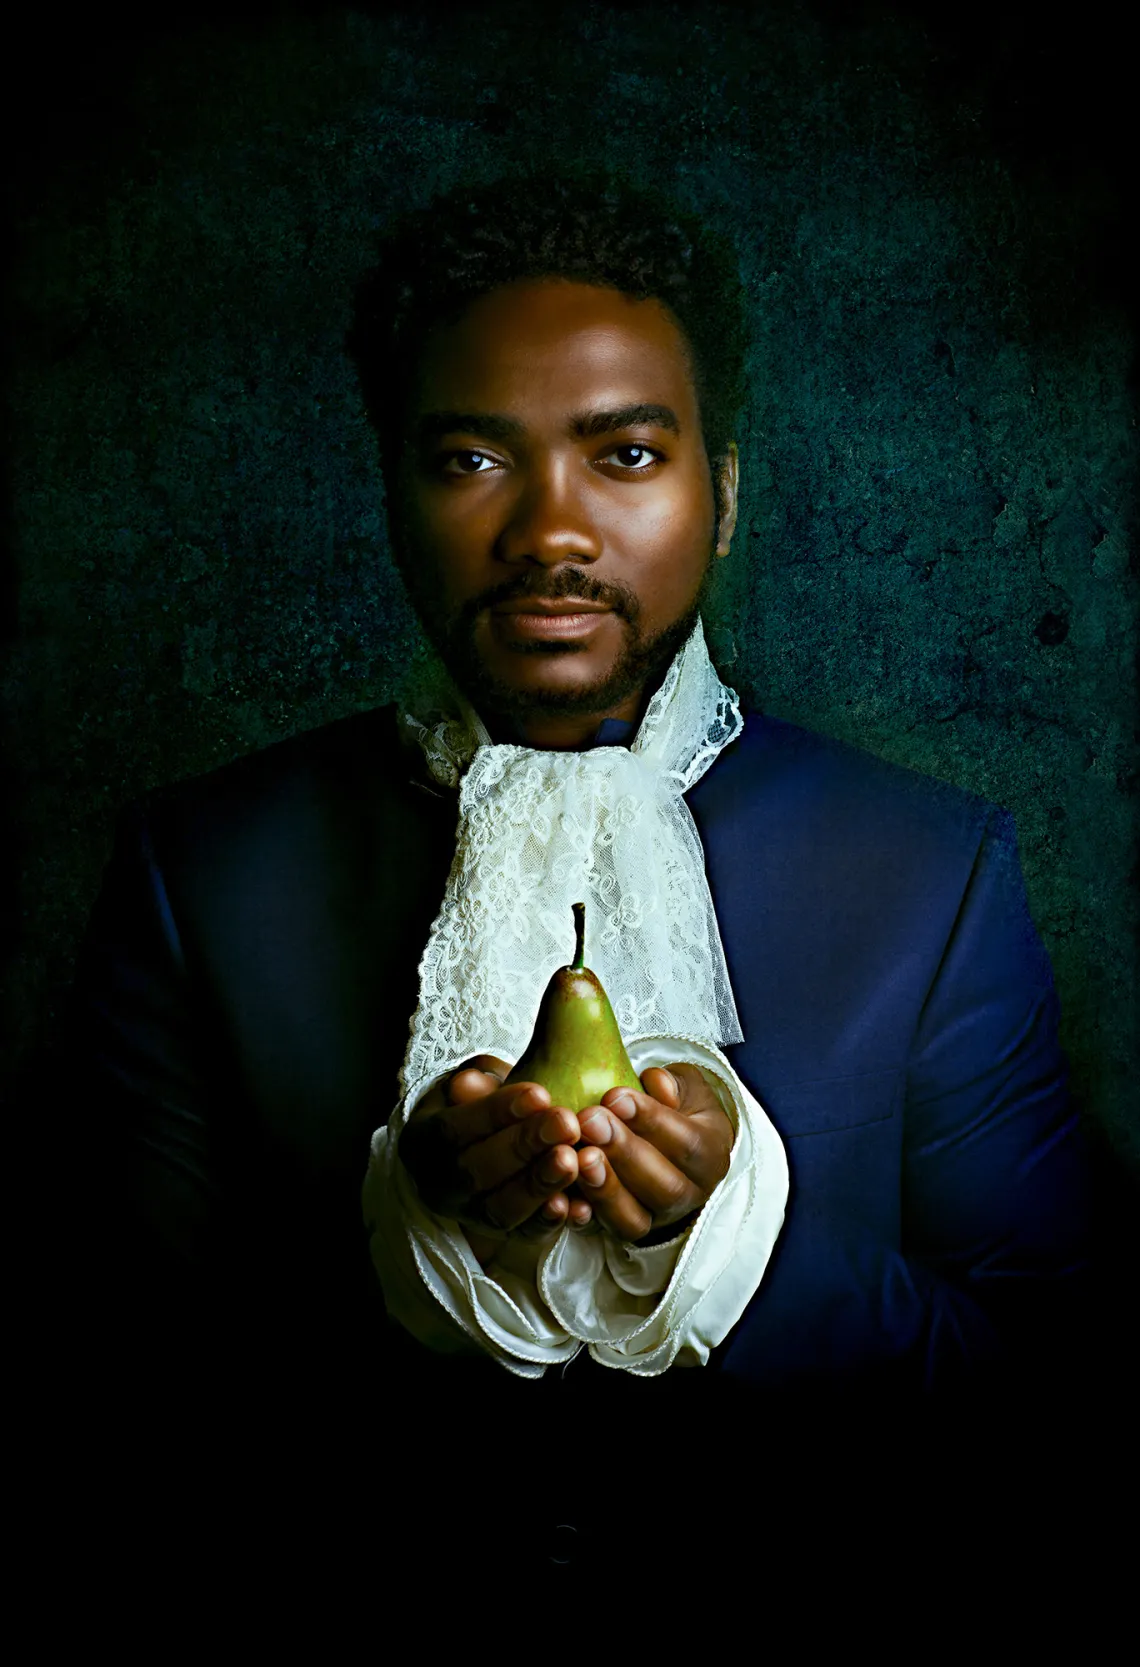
550 523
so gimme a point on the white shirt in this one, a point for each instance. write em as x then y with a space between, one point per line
643 1310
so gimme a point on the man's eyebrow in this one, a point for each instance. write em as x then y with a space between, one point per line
587 425
591 424
435 424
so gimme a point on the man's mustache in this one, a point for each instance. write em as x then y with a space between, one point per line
557 587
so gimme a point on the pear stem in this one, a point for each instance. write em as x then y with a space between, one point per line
578 964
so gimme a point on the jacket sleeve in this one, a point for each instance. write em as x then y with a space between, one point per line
993 1261
134 1099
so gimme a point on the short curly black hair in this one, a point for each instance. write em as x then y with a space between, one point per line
598 228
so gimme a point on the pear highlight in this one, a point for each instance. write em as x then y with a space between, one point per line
576 1051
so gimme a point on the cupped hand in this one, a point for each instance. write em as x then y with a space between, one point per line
495 1155
656 1157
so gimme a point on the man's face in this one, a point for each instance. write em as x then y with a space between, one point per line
554 453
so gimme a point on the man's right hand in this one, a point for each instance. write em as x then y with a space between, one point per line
490 1155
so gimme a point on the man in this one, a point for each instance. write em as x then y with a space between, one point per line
870 1057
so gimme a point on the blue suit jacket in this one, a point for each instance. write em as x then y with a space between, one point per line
241 1008
238 1017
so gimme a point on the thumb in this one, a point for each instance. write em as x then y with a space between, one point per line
488 1063
688 1078
662 1085
476 1078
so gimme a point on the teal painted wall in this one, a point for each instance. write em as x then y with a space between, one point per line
934 559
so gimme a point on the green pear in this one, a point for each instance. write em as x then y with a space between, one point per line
576 1051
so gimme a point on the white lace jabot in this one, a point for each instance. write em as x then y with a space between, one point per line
537 832
540 831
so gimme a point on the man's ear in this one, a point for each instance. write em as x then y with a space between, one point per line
727 485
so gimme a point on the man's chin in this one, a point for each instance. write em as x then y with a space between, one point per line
555 697
638 670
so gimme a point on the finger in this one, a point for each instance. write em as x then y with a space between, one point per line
434 1142
580 1212
519 1199
488 1062
612 1202
547 1221
658 1183
685 1142
469 1082
556 1209
695 1092
543 1225
471 1078
662 1085
683 1087
492 1162
697 1138
485 1115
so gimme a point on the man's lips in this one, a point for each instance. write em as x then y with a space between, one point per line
536 605
537 619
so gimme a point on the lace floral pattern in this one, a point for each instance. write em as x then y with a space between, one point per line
539 831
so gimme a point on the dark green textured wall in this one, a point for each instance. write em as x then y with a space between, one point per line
934 559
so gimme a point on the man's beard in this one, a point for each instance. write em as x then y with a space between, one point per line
639 668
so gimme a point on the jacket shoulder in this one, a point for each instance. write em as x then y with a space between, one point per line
334 754
805 782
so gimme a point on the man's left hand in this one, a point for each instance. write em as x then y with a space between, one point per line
652 1158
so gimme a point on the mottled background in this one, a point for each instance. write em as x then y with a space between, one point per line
935 555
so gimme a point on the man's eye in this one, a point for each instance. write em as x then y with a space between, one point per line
467 463
633 459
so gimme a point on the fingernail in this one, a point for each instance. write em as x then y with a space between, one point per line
676 1084
624 1106
530 1101
552 1133
592 1173
597 1128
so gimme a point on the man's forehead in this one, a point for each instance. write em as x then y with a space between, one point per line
546 319
567 302
571 351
